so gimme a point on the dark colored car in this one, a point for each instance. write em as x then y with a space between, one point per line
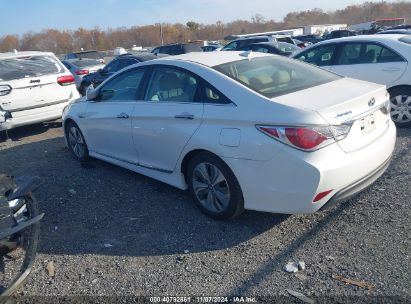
177 49
313 39
84 55
278 48
238 44
340 34
112 67
211 47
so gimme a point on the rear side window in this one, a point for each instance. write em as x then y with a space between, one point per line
213 96
321 56
169 84
274 76
29 66
363 53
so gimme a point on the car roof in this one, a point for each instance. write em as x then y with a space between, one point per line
387 37
82 52
211 59
23 54
139 57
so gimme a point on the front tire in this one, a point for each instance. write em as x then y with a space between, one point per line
401 106
214 187
76 142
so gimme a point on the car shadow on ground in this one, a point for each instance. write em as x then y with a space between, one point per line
104 209
20 133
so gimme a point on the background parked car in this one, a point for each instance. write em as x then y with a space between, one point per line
111 68
339 34
82 67
34 87
278 48
85 55
313 39
399 31
212 47
177 49
377 58
242 42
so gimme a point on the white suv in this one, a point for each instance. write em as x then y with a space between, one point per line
34 87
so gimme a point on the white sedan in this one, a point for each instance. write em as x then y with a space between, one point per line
382 59
239 130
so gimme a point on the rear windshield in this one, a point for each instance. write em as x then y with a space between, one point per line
85 63
91 55
192 48
274 75
287 47
31 66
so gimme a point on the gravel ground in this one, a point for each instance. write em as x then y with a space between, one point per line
111 232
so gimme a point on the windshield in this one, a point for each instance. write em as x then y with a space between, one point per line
274 75
85 63
91 55
30 66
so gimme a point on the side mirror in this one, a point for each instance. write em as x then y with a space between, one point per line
91 93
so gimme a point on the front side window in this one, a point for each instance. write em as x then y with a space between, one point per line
124 87
112 67
274 76
320 56
383 54
169 84
231 46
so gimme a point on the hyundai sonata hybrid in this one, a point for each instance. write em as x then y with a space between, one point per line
239 130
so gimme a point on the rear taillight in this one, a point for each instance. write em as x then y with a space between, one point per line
5 89
306 138
82 72
65 80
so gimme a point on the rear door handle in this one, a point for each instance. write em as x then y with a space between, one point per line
391 69
185 116
123 115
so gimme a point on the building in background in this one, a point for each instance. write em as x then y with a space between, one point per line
320 29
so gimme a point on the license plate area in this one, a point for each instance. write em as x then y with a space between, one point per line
367 124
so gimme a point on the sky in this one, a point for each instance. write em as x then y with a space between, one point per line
20 16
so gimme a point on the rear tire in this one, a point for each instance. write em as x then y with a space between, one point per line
76 142
214 187
401 106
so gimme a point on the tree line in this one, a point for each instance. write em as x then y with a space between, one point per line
64 41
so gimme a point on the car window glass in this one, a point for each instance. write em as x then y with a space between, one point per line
212 95
171 85
351 54
387 55
261 50
231 46
112 67
320 56
123 87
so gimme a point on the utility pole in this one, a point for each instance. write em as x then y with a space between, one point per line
161 34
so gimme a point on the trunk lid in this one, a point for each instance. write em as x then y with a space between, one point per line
346 101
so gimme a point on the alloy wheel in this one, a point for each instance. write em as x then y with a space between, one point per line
401 108
210 187
76 142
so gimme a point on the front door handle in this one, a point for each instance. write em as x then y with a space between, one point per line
123 115
185 115
391 69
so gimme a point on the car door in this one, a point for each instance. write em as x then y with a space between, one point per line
369 61
108 118
322 56
167 117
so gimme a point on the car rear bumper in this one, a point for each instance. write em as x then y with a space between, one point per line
290 181
35 115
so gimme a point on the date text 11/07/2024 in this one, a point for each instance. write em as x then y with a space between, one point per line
203 299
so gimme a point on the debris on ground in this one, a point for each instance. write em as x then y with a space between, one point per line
107 245
51 269
361 284
300 296
291 267
186 251
329 257
301 265
72 191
